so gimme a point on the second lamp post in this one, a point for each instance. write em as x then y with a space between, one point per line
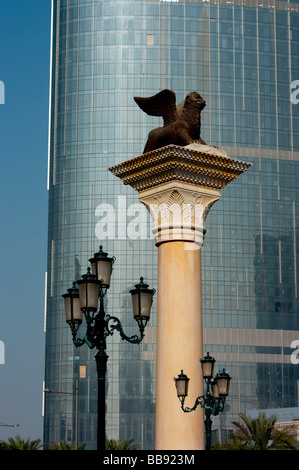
213 401
84 300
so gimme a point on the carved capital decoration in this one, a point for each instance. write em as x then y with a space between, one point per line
178 211
179 185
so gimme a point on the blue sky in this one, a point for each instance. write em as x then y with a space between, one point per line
24 70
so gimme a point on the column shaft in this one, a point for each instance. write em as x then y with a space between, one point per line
179 346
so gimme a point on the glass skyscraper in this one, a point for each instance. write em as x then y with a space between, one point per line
243 58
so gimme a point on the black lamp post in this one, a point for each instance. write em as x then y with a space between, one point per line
213 402
83 300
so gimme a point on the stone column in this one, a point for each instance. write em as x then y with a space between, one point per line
179 346
178 210
179 185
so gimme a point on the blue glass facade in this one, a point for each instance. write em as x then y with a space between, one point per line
242 58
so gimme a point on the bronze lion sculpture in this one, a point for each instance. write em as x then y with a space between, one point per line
181 123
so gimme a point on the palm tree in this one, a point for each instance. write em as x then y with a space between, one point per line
20 444
4 446
112 444
260 434
62 445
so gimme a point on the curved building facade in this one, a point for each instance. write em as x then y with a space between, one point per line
243 58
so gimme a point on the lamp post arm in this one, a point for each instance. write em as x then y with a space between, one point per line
77 341
200 401
211 404
118 327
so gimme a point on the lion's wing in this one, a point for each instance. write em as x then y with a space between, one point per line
162 104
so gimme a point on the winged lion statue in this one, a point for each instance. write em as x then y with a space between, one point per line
182 122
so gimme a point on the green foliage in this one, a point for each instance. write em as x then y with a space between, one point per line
62 445
112 444
20 444
4 446
259 434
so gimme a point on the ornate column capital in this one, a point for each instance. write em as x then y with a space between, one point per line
179 185
179 210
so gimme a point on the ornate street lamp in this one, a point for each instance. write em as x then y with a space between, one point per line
207 365
213 402
101 266
142 298
73 312
83 301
